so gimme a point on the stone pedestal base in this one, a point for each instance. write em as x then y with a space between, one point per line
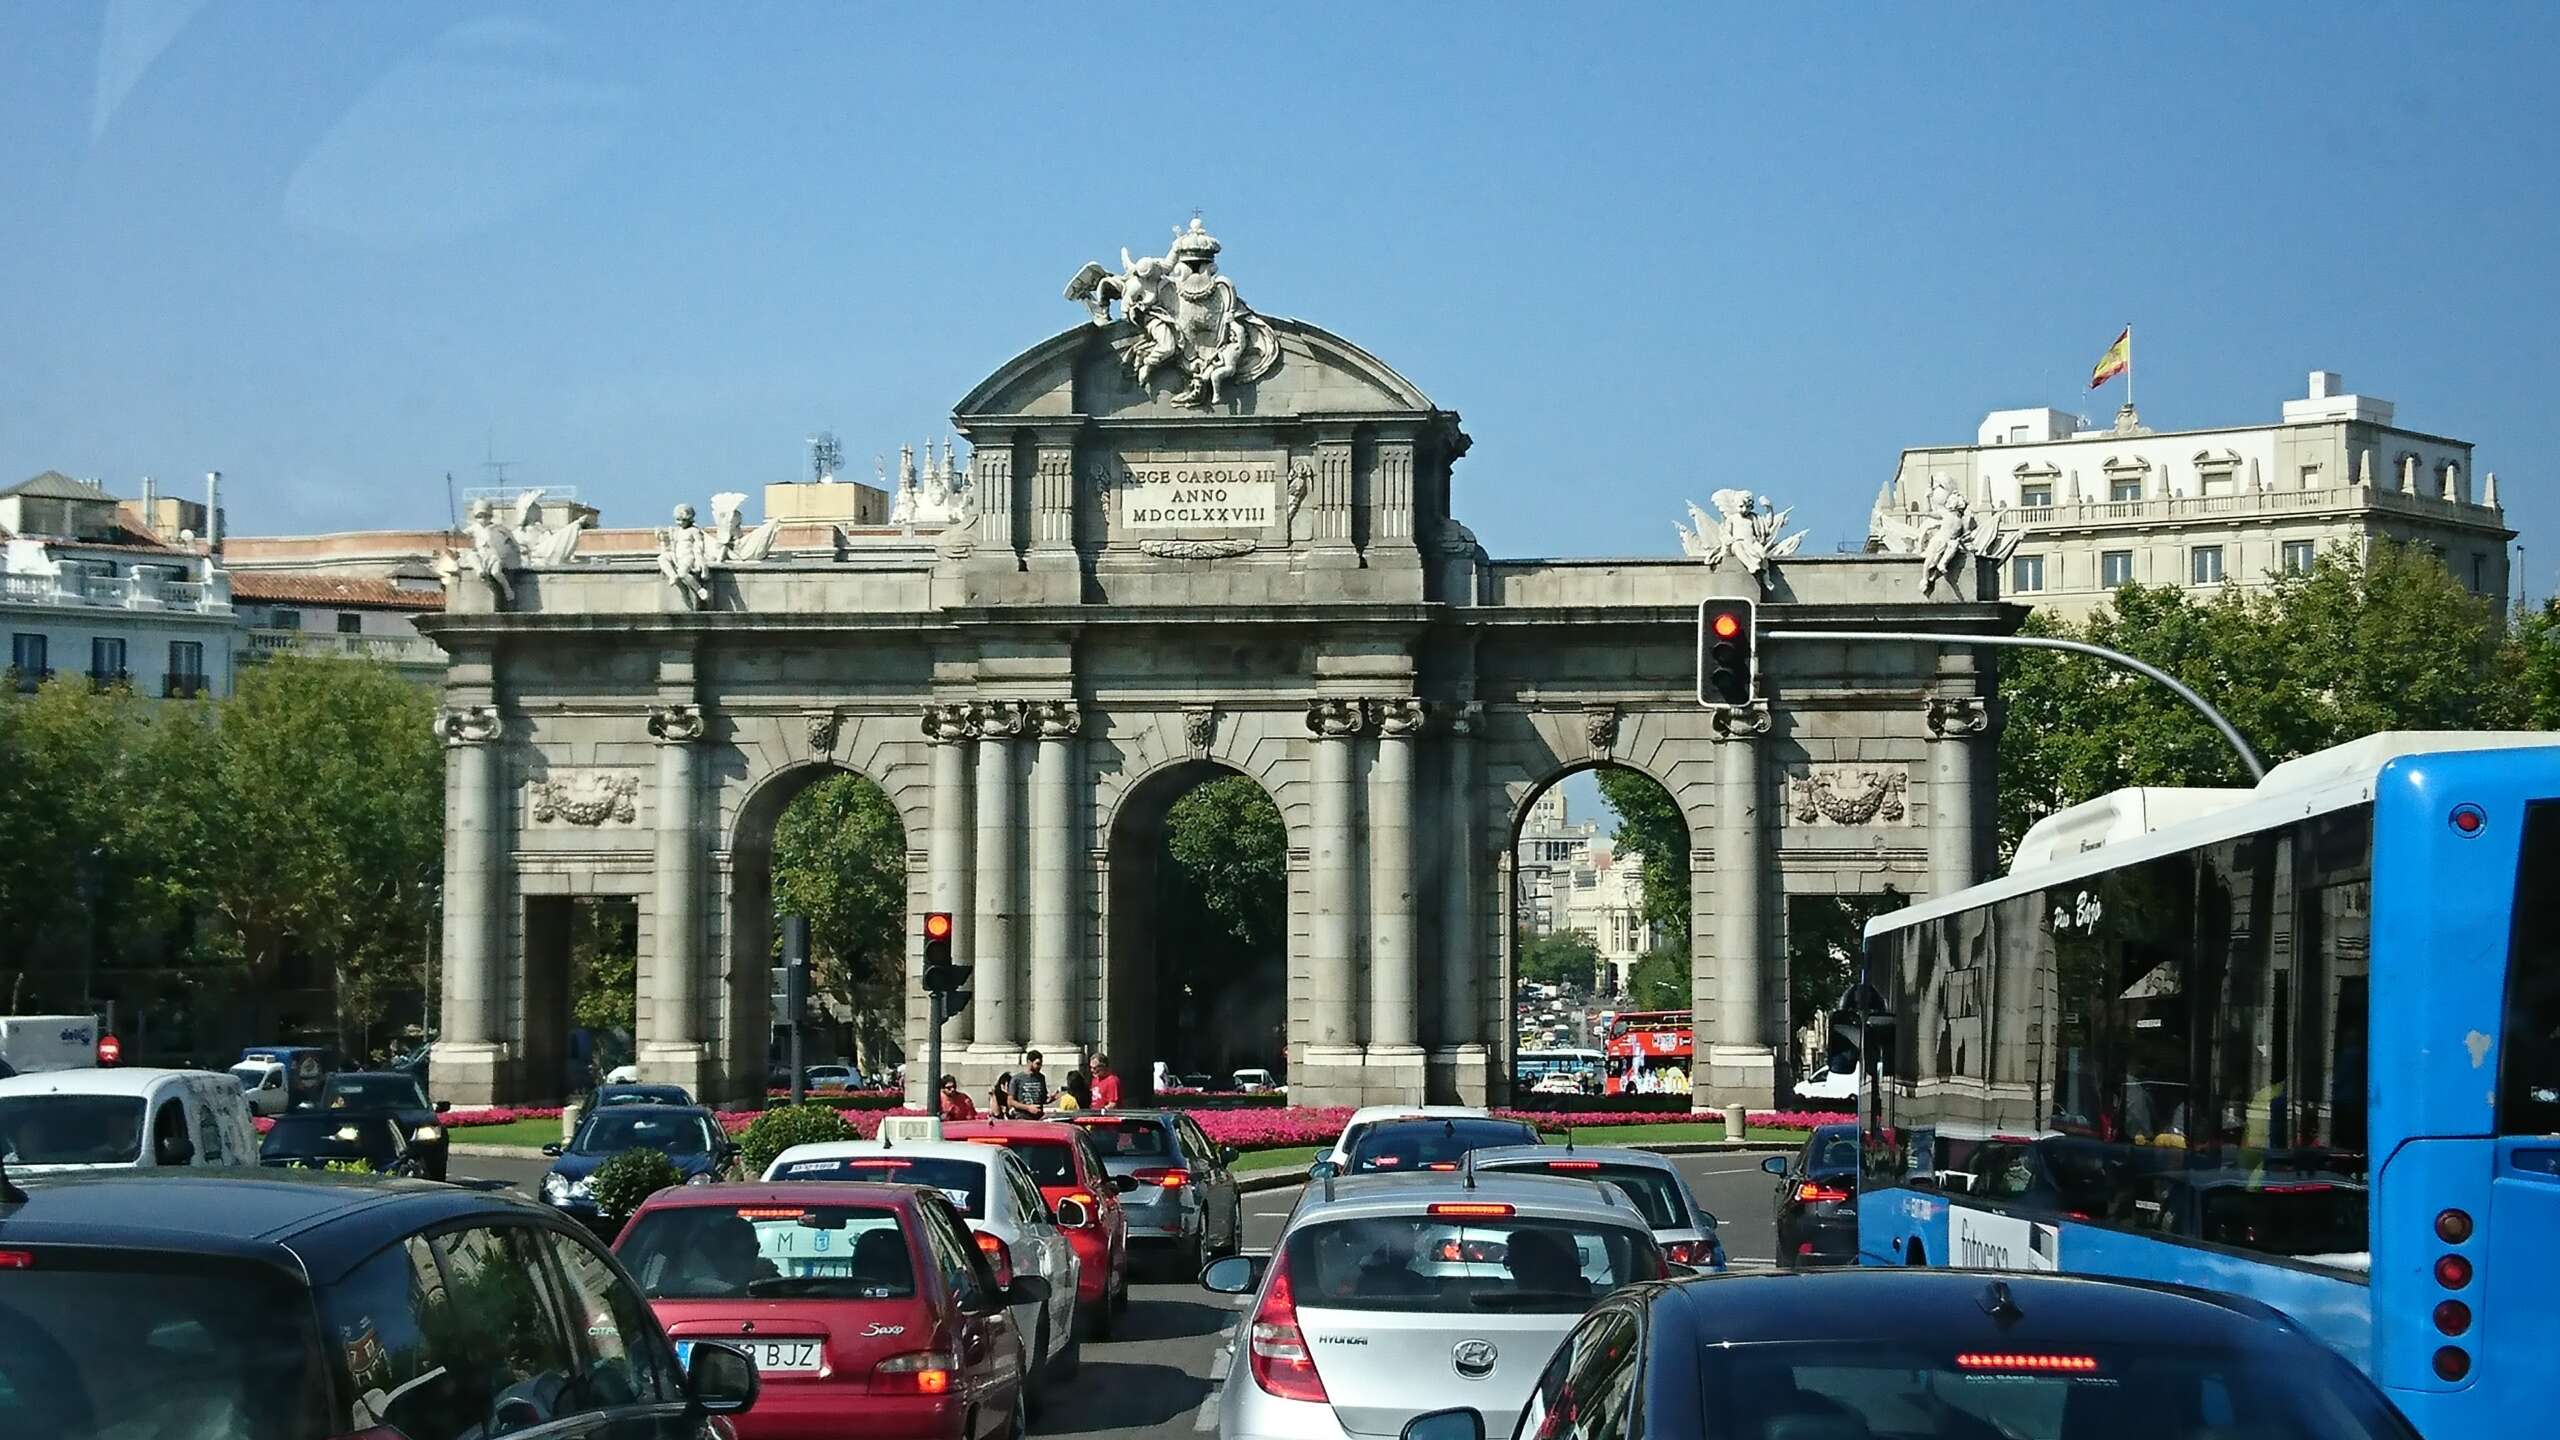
475 1074
1745 1075
685 1063
1459 1076
1328 1075
1392 1075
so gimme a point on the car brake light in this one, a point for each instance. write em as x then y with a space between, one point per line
1442 1165
2030 1364
920 1372
1276 1350
1469 1210
1809 1193
1573 1164
993 1247
1688 1252
758 1212
2452 1271
985 1139
17 1260
1164 1176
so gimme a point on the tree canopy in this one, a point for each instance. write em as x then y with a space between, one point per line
1566 957
840 858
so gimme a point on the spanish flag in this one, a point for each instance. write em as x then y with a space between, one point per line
2117 360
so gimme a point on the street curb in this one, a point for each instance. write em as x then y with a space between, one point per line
496 1152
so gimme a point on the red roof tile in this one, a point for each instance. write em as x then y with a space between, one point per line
352 592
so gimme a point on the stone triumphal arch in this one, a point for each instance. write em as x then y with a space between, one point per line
1188 537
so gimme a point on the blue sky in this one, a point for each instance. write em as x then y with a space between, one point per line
337 250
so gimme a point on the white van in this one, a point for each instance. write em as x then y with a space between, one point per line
124 1120
1255 1082
262 1084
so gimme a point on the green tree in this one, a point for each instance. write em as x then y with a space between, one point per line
1650 824
604 966
1825 934
1565 958
1230 852
1660 981
2536 662
784 1126
840 858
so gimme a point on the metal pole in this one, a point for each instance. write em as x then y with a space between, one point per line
2230 733
799 1076
933 1057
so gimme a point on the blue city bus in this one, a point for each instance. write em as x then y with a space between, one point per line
2299 1042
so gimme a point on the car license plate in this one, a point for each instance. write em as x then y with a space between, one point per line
773 1357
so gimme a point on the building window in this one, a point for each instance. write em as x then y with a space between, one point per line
2115 568
350 623
106 659
186 669
2204 565
2026 574
284 619
27 659
2124 489
2310 477
2479 574
2298 555
2035 497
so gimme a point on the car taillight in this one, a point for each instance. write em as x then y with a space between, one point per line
2029 1364
1468 1210
17 1260
1166 1177
1809 1193
1276 1349
1688 1252
921 1372
2452 1271
997 1255
1573 1165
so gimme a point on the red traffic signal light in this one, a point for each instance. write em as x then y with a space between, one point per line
1728 670
1725 625
937 925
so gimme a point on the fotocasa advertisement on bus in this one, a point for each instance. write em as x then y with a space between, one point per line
2299 1042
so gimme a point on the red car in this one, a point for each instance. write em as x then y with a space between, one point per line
1067 1166
869 1310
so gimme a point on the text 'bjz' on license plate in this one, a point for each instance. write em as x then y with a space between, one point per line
786 1357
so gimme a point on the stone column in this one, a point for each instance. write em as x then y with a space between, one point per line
1333 541
1053 914
1462 1054
1742 1069
999 1030
1053 501
672 1040
947 876
1332 1057
1957 725
1395 974
991 476
471 1052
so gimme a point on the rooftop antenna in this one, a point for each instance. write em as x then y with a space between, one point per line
496 467
452 507
826 456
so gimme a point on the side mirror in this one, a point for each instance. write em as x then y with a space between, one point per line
1775 1164
1074 1214
1233 1274
443 1105
174 1150
552 1149
723 1380
1322 1170
1123 1184
1026 1290
1446 1425
1227 1154
1708 1217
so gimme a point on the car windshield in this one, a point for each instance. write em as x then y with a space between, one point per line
1477 1264
1129 1139
1400 1145
373 1092
71 1129
1832 1150
1656 1192
2035 1392
251 1076
104 1345
612 1132
325 1137
962 1182
711 1252
642 1095
1052 1162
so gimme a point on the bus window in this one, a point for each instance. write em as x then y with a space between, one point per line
2529 1073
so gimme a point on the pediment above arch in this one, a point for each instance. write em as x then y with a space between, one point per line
1087 371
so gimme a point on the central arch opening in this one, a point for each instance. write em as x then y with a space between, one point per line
827 843
1199 918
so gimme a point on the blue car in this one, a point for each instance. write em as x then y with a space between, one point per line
685 1134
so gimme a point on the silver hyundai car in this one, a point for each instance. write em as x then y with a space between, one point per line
1391 1296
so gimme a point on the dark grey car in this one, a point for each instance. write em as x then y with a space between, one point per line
1185 1205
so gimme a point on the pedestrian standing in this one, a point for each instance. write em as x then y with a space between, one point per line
1025 1094
1076 1091
1106 1086
955 1101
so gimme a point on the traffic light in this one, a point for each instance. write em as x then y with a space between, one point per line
1728 668
940 976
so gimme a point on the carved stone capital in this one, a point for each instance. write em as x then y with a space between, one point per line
469 724
825 727
947 724
678 724
1958 717
1742 722
1333 719
1199 728
1463 718
1600 729
1000 719
1399 717
1056 719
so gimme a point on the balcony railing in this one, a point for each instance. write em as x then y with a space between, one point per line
110 679
26 682
2253 502
183 687
390 649
123 592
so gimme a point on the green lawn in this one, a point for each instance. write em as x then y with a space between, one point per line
531 1134
1295 1157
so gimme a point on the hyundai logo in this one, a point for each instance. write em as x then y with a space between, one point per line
1473 1359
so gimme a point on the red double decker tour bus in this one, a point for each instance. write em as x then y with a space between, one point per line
1648 1051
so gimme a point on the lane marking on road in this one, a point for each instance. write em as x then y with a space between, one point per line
1206 1418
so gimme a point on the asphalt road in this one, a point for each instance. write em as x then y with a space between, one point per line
1154 1378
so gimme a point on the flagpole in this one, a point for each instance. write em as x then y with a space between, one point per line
2128 364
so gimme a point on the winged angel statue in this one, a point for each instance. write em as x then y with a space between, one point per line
1747 534
496 548
1186 314
1945 534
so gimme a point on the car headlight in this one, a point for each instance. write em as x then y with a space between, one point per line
427 1133
555 1189
579 1187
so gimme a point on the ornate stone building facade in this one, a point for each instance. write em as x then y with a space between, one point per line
1198 540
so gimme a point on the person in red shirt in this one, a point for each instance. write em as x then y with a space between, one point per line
1106 1086
955 1101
